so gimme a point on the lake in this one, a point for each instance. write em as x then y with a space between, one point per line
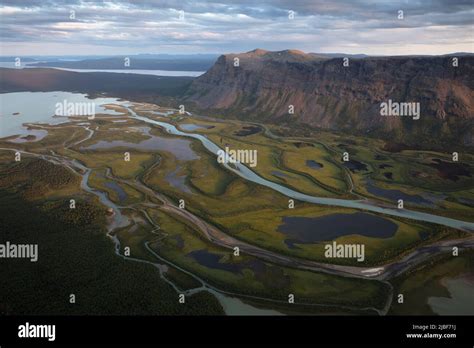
395 195
310 230
180 148
119 71
313 164
40 107
461 300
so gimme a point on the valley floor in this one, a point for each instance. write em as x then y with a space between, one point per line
191 226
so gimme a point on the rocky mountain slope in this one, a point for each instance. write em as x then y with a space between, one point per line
326 94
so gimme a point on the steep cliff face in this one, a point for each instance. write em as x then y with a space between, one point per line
328 95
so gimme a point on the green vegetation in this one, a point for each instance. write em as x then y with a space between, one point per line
177 242
77 257
34 178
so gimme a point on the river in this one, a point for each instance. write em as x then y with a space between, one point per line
247 174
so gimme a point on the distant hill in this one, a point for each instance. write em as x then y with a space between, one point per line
143 87
327 95
148 62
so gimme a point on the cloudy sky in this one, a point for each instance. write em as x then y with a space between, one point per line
219 26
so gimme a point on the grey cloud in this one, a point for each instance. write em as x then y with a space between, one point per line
218 25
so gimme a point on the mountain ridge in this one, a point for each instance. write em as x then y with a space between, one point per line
328 95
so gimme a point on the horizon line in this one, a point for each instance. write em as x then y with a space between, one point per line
218 54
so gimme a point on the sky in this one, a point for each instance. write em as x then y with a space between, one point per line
371 27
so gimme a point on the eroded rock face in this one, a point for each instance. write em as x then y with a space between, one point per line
328 95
